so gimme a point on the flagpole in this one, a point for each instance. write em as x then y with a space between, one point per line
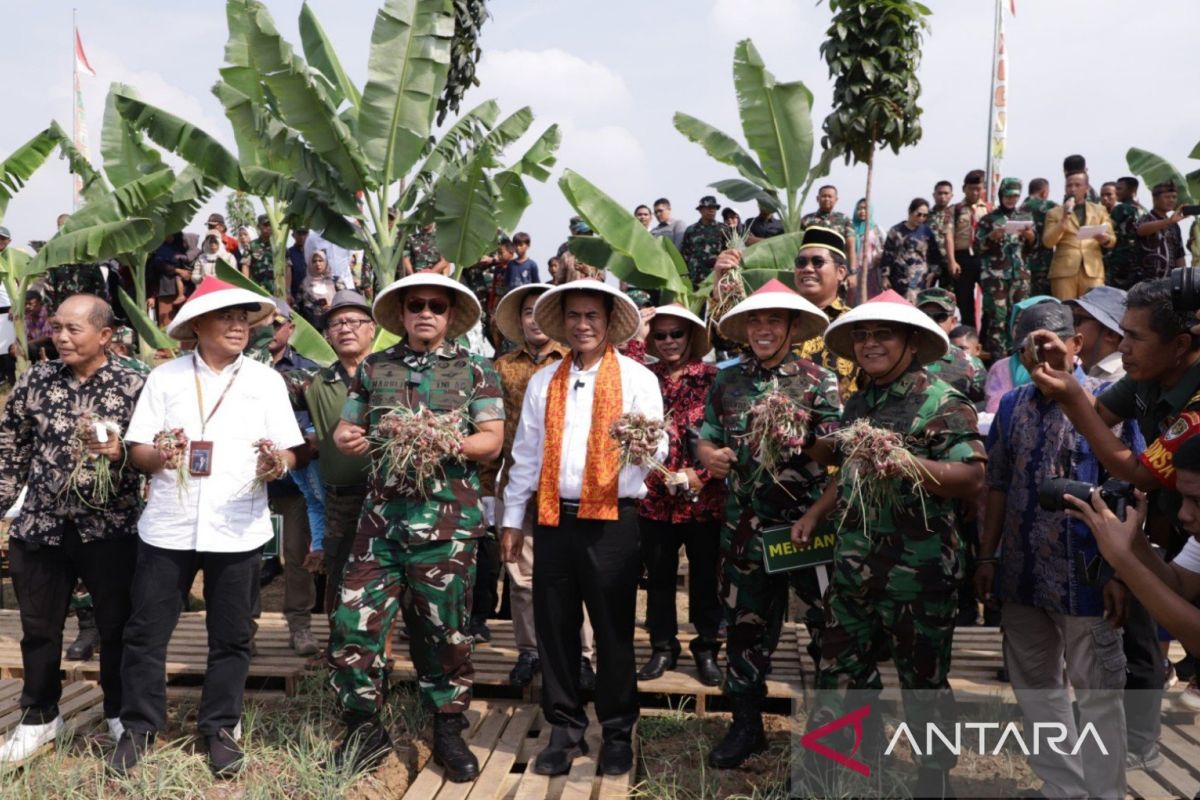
992 97
74 104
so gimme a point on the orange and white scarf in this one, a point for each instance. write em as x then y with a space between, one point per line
601 472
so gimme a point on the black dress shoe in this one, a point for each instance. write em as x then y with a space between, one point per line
480 631
527 666
128 753
557 757
616 758
587 676
225 756
706 667
661 660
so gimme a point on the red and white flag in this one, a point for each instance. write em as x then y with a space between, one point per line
81 61
998 122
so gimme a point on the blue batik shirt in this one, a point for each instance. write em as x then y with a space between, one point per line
1042 553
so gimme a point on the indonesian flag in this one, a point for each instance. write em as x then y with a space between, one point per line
81 61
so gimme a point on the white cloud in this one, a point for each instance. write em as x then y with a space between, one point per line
554 82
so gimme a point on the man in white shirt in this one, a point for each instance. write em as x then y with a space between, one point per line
217 520
1098 320
586 537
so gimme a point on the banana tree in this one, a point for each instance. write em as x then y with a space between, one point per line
319 151
1154 169
777 126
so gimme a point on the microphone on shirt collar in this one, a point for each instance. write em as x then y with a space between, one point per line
579 384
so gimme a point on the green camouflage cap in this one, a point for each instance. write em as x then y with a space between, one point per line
640 297
1010 186
942 298
123 335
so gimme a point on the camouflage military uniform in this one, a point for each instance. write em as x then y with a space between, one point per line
421 249
413 553
1003 279
895 587
756 603
834 219
1039 256
702 243
262 264
1120 263
814 350
965 373
72 279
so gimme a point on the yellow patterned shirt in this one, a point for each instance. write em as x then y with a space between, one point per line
814 350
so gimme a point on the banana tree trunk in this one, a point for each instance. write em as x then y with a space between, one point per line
16 294
864 258
279 234
137 268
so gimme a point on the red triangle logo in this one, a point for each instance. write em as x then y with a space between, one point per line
854 718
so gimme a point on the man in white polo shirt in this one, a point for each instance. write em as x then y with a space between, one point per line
218 522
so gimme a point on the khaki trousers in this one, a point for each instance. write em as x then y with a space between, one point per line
1074 286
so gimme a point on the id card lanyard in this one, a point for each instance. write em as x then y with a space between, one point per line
200 452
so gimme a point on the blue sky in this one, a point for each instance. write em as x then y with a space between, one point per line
1089 76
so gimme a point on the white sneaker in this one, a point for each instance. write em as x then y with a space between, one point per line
237 732
115 728
26 741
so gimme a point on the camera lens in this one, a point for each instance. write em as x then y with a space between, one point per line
1185 289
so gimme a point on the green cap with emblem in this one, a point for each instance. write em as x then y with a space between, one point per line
942 298
1010 186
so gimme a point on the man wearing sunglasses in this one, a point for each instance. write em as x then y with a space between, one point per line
1003 267
897 567
768 323
415 543
820 269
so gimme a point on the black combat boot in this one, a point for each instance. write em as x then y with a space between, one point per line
364 747
88 640
745 736
450 752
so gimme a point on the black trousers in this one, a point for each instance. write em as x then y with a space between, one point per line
484 594
965 283
44 577
230 592
597 564
1144 677
660 554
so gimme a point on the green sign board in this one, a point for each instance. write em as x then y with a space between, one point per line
780 555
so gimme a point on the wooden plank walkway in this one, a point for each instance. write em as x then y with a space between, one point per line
506 737
81 706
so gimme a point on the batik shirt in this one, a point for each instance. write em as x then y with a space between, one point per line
907 253
515 369
683 408
1120 262
35 451
1044 554
753 495
1159 252
702 243
814 350
963 220
445 380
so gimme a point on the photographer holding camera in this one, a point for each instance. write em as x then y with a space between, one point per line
1162 362
1059 609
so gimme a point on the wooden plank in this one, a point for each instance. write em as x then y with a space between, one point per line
582 777
490 784
430 780
615 786
1145 786
532 785
485 739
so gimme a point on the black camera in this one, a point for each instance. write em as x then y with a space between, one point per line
1185 288
1116 494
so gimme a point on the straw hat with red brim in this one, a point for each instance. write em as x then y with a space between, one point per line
550 312
389 305
772 295
888 307
699 341
508 311
214 294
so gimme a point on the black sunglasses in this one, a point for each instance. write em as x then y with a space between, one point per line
678 333
816 261
417 305
939 316
879 334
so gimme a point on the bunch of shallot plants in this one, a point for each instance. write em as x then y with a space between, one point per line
879 469
92 468
416 444
779 427
269 462
637 437
173 444
728 290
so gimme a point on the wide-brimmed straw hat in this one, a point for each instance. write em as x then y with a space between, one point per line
774 294
699 341
389 305
623 322
931 340
508 312
213 294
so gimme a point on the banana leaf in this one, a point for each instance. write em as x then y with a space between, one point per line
512 200
597 252
306 340
125 155
755 278
722 147
540 156
239 70
776 253
132 199
98 242
466 214
1154 169
776 119
301 102
406 73
183 139
655 266
323 58
741 191
93 183
147 331
21 164
513 127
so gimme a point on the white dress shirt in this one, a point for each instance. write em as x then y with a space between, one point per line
1189 556
1109 368
639 392
219 513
